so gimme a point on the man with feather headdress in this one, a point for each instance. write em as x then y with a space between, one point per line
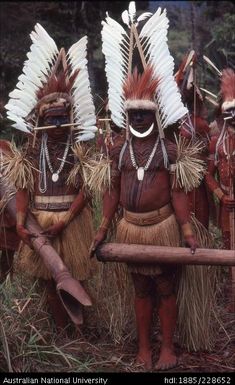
53 106
221 162
147 171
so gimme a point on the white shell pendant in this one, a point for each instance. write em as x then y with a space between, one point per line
55 177
140 173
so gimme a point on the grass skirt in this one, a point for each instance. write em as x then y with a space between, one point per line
165 233
198 316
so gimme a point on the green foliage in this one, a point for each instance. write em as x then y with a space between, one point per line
222 43
179 42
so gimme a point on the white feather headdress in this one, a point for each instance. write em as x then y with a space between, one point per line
117 46
43 59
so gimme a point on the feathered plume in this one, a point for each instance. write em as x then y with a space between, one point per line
59 83
153 37
132 11
128 17
116 50
140 88
36 70
83 106
42 77
153 42
144 16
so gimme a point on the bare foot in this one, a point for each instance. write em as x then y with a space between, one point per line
144 357
167 359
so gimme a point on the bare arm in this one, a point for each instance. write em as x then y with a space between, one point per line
110 204
181 207
22 204
213 184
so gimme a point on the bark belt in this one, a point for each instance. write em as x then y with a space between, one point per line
59 202
150 217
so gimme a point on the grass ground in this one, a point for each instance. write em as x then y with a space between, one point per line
29 341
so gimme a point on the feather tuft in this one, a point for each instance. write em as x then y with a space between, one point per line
125 18
132 11
36 70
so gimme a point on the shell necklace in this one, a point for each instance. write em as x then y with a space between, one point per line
141 170
44 157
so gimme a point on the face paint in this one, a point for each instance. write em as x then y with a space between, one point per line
143 134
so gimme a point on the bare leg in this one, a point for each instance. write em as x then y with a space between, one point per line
167 314
143 312
58 311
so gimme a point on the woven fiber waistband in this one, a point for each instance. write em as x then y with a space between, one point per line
59 202
150 217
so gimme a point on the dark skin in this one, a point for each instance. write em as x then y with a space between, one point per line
59 134
153 195
226 173
225 168
57 138
191 97
159 193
